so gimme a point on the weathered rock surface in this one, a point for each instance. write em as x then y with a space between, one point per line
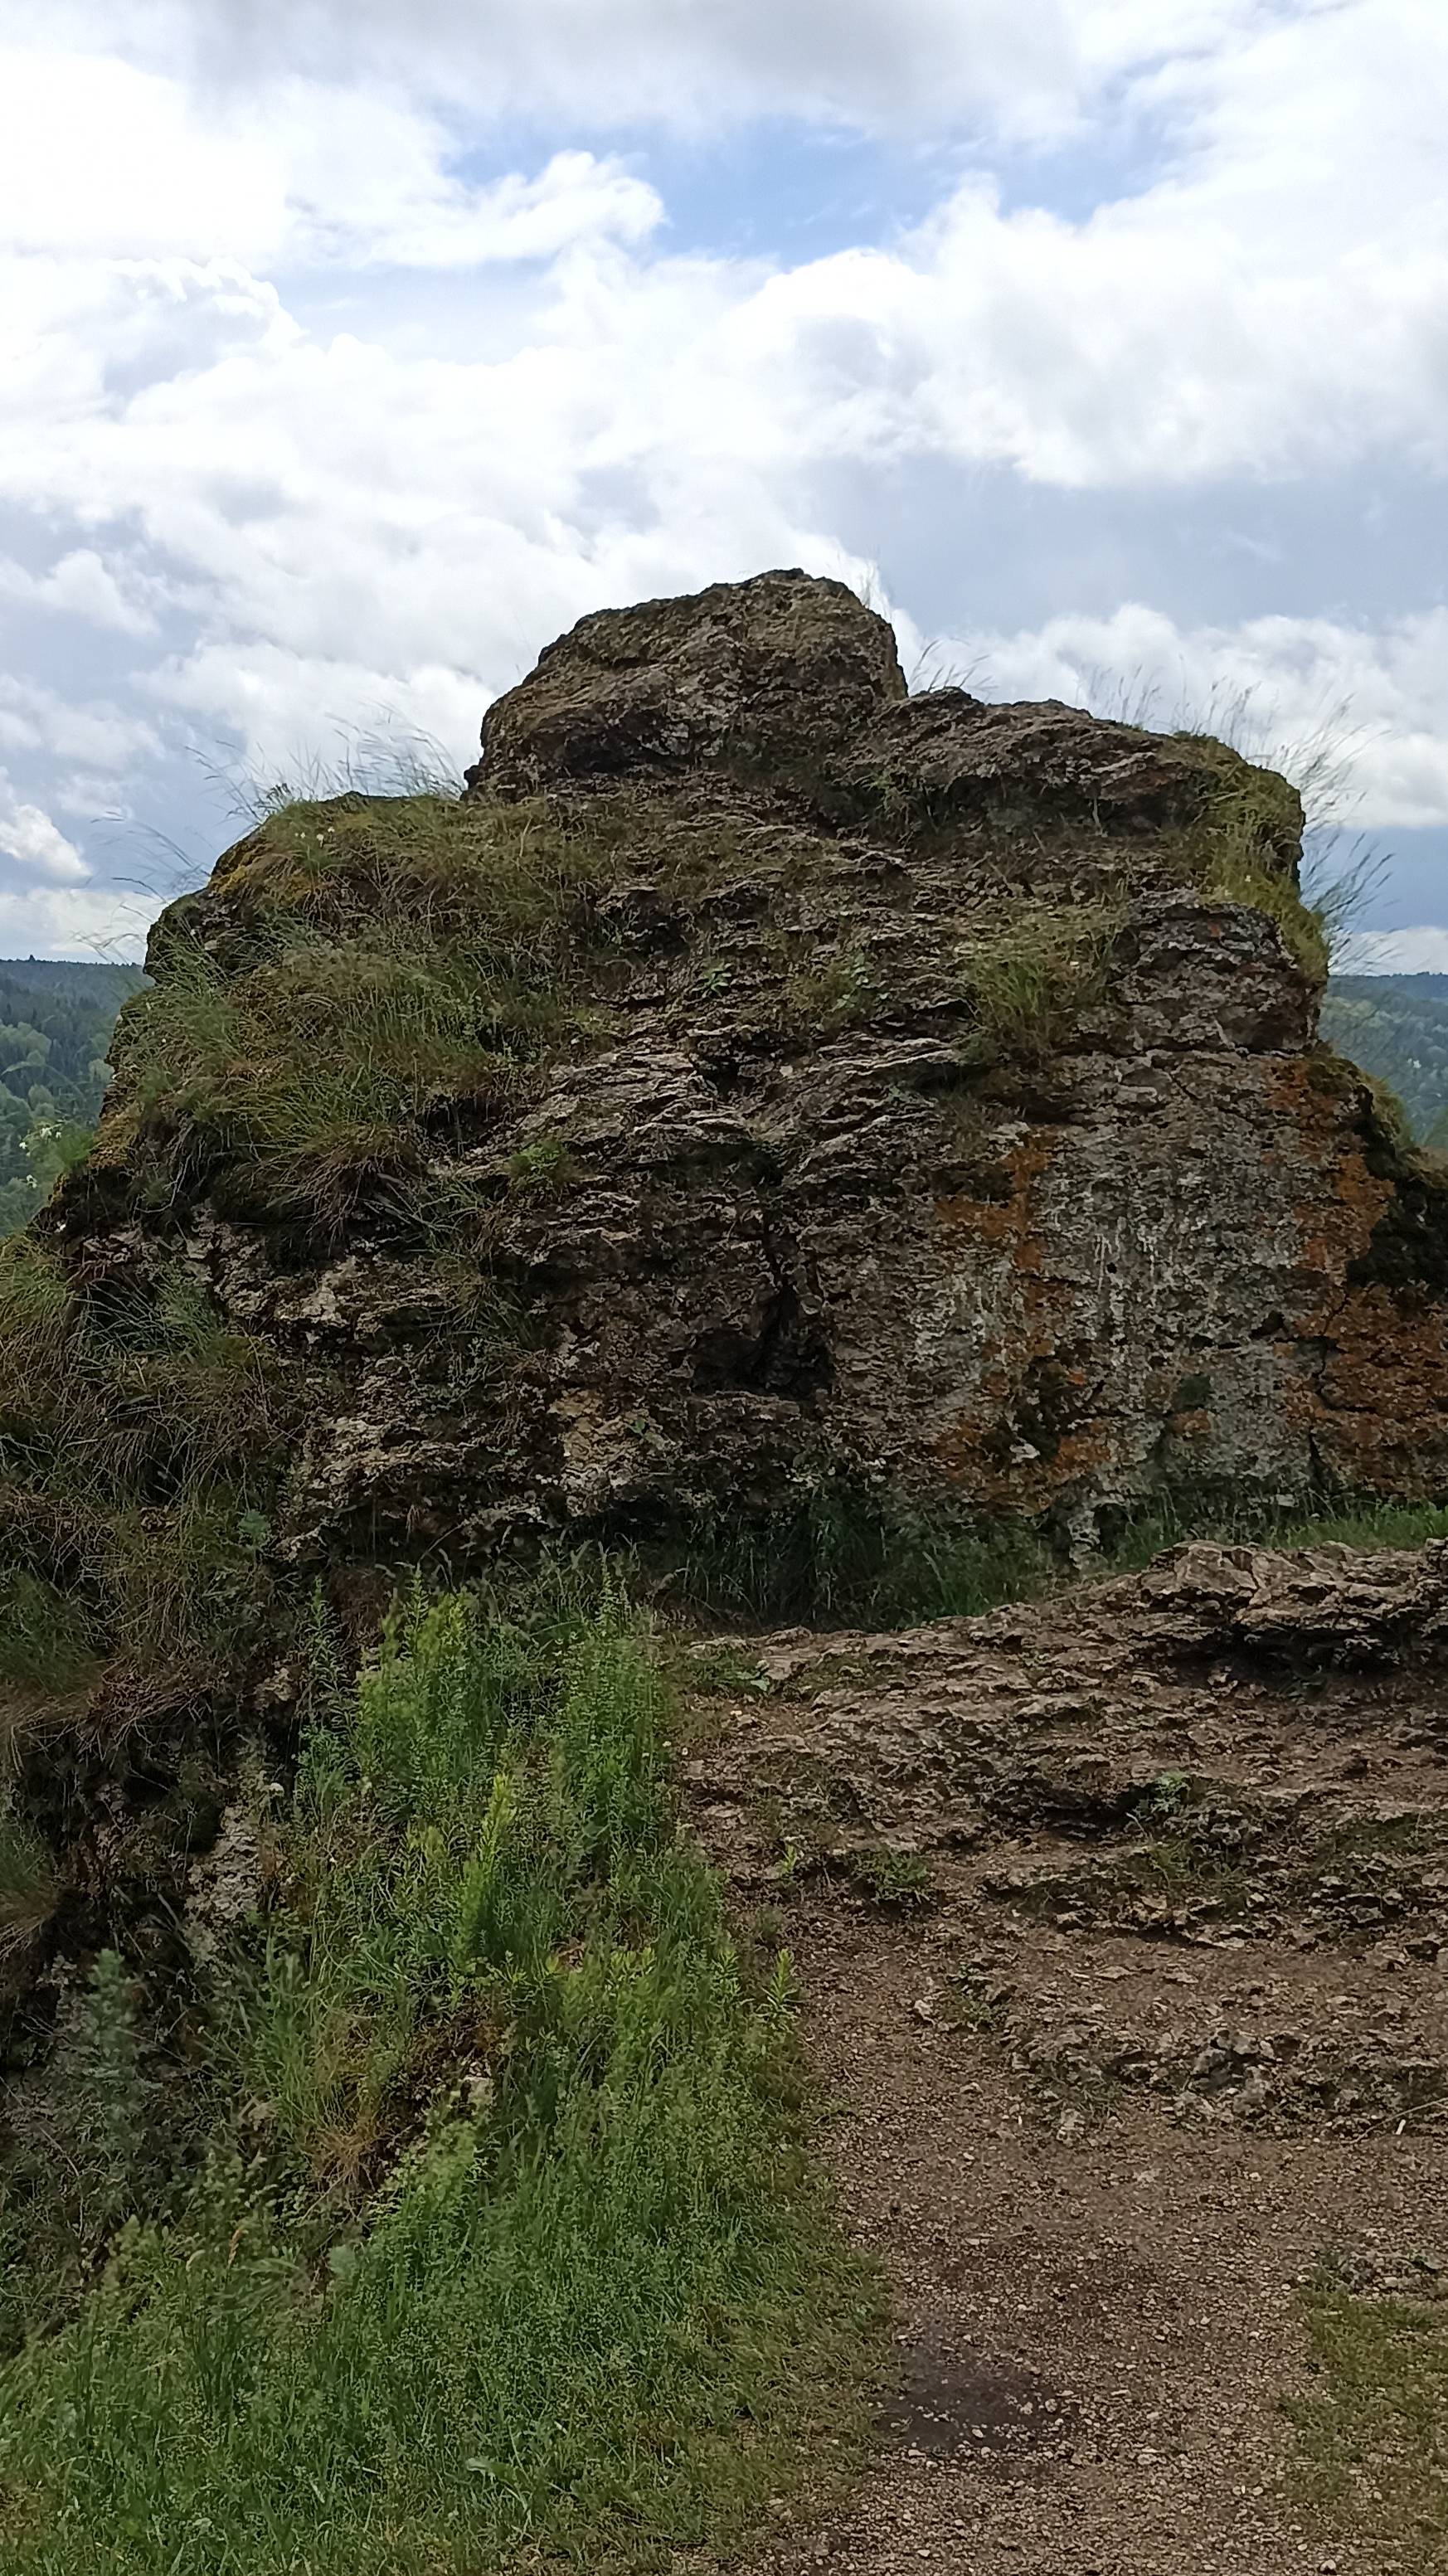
779 673
939 1110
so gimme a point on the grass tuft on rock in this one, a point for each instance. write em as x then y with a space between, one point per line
357 969
140 1442
505 2241
1245 850
1031 975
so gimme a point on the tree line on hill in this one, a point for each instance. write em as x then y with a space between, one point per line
1396 1028
56 1022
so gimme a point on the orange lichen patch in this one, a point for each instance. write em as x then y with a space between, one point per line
1388 1363
995 1448
1001 1478
1005 1220
1004 1216
1377 1406
1356 1196
1197 1425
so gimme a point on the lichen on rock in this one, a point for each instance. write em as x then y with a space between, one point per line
762 1084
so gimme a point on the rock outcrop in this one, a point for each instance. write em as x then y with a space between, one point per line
809 1090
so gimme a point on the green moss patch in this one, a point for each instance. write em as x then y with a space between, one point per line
1372 2429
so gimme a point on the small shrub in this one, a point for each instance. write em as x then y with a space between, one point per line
898 1880
1170 1794
834 996
108 2097
80 2155
542 1167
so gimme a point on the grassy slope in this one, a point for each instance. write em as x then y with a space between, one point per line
498 2230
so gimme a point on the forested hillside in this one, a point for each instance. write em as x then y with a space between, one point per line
1396 1026
56 1019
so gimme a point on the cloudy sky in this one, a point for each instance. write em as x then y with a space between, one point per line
349 349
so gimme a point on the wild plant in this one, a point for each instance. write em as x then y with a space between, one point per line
508 2231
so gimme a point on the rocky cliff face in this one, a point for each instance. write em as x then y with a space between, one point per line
766 1084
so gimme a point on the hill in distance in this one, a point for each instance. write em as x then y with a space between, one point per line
56 1020
1396 1028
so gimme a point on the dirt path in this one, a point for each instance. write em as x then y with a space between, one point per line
1118 1929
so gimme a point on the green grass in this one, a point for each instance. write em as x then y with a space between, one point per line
834 996
900 1881
843 1554
505 2243
388 961
1372 2430
28 1887
1030 976
840 1552
140 1443
1360 1522
45 1642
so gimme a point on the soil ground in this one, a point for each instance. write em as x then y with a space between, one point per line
1119 1929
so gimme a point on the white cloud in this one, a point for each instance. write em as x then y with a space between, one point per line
87 798
1364 708
549 410
1422 951
694 65
70 921
30 839
97 736
139 168
79 585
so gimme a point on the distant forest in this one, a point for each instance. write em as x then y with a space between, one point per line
56 1020
1396 1026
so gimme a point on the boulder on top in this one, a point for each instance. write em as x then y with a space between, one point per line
782 671
791 679
959 755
